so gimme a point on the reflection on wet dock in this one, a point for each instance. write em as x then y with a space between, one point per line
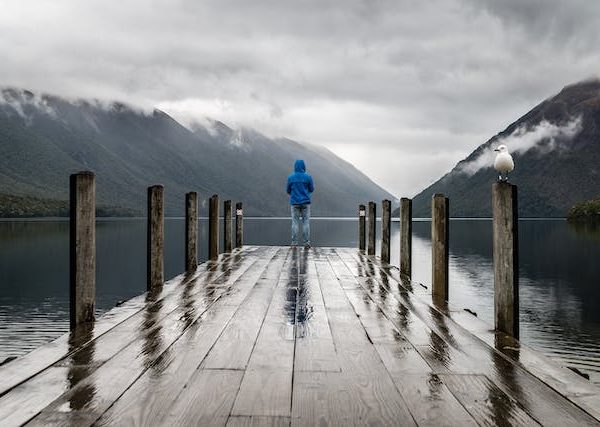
287 336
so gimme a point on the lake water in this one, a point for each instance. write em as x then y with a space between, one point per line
559 275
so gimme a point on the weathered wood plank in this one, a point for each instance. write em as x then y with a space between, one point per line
428 400
325 336
233 349
363 374
486 402
154 394
255 421
338 399
452 349
110 380
265 392
207 400
315 350
118 321
267 385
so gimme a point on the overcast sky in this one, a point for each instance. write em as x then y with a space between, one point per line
403 89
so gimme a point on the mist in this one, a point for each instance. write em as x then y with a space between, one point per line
544 137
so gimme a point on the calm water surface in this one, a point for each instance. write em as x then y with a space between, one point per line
559 275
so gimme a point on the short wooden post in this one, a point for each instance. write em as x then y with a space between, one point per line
362 228
440 222
386 229
213 227
372 229
82 248
239 225
506 258
406 236
191 231
227 226
155 238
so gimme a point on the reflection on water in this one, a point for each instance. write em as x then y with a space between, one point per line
558 275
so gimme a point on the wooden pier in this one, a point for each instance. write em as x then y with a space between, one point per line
287 336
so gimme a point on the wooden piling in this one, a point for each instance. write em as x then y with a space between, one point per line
213 227
227 226
191 231
506 258
372 228
239 225
406 236
386 229
362 238
440 222
155 238
82 233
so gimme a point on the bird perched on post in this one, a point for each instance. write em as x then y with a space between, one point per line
503 163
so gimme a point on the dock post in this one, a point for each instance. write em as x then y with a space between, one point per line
239 225
82 249
191 231
213 227
227 226
406 236
372 228
440 222
155 238
506 258
362 228
386 225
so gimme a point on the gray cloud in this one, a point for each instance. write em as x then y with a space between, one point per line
402 88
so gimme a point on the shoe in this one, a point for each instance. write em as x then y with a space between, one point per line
307 246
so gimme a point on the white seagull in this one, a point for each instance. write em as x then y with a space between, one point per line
503 163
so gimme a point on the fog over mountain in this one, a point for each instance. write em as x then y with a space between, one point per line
556 149
44 138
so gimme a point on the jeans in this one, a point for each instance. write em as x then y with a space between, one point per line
301 220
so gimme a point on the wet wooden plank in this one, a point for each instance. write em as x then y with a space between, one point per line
265 392
402 359
486 402
332 398
114 377
84 361
233 349
154 394
207 400
267 384
451 349
41 358
564 381
363 372
315 350
255 421
429 400
543 403
357 346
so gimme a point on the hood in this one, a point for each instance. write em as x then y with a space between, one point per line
299 166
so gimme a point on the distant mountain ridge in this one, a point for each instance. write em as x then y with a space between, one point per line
557 160
44 138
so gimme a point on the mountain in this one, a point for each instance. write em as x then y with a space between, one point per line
556 149
44 138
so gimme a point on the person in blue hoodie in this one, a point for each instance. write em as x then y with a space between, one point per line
300 187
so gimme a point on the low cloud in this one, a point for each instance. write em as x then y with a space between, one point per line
22 103
544 137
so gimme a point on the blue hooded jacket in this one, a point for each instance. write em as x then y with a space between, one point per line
300 185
